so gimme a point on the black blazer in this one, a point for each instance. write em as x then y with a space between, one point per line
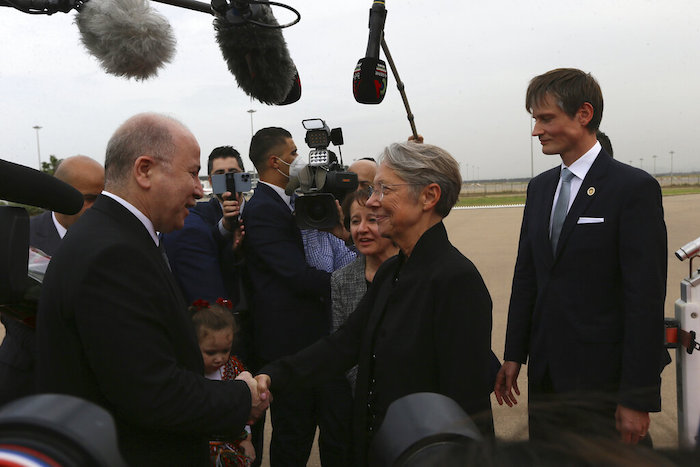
113 329
43 234
423 326
289 298
592 314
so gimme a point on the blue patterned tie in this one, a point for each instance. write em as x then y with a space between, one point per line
561 207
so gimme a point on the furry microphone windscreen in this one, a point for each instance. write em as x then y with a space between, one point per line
128 37
257 57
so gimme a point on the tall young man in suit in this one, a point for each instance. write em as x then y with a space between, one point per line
587 303
17 352
289 301
113 327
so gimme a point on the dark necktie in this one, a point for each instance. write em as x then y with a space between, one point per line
561 207
161 248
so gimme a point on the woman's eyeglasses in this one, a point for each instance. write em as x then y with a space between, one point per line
383 189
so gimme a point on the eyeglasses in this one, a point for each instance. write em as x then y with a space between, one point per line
382 189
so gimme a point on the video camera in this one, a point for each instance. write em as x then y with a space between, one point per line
320 180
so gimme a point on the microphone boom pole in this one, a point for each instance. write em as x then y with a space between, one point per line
189 4
400 86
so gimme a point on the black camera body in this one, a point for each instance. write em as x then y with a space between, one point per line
234 182
323 180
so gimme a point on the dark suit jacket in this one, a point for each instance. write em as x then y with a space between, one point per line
289 298
43 234
592 314
113 329
423 326
196 254
18 347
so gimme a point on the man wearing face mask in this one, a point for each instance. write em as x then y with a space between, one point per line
289 299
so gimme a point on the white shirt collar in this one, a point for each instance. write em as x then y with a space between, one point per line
280 191
59 228
139 215
583 164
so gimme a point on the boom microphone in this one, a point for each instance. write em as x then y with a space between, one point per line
256 55
370 79
128 37
20 184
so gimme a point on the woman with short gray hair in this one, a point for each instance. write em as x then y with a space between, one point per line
424 324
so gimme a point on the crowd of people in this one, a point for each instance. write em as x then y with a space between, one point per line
161 309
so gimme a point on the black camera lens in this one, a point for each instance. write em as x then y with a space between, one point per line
318 212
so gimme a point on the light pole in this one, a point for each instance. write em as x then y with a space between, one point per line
38 151
671 152
641 162
654 157
251 112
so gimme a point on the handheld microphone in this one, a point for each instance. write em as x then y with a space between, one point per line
128 37
20 184
370 79
256 55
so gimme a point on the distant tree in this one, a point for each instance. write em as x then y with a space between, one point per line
50 167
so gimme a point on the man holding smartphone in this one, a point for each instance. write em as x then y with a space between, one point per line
201 254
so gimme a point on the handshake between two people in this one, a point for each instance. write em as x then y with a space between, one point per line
260 396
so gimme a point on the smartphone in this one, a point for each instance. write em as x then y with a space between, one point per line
235 182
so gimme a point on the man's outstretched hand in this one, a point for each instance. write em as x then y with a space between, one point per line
506 383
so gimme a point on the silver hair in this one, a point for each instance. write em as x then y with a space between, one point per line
128 37
142 134
423 164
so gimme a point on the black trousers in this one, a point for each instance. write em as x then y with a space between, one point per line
295 416
581 415
17 356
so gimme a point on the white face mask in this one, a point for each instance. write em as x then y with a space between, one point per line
285 163
297 166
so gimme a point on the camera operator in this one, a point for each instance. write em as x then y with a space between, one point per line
17 353
289 302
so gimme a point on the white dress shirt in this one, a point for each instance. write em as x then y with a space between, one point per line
579 168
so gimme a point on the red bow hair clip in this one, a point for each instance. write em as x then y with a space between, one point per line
225 303
200 304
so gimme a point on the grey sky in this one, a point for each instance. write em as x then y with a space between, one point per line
465 65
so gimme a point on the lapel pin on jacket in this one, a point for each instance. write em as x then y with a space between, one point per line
591 191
